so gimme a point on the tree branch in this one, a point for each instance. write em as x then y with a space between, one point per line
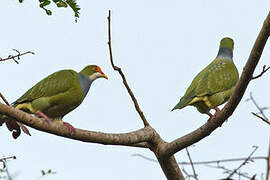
262 118
243 163
134 138
191 163
137 107
205 130
18 55
263 71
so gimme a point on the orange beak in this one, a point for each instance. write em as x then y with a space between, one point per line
106 77
103 75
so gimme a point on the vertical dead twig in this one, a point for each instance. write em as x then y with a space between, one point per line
137 107
192 166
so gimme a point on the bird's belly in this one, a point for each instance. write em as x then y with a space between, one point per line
59 105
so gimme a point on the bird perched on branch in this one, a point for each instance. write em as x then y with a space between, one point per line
214 85
59 93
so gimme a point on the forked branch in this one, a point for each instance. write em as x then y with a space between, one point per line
239 90
16 57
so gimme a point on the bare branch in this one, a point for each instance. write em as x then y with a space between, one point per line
16 57
257 106
207 162
7 158
13 125
242 164
191 163
226 170
239 90
263 71
262 118
4 99
130 139
138 109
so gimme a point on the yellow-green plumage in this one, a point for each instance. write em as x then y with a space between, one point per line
214 84
59 93
55 95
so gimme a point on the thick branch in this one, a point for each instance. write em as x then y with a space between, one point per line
170 168
208 128
134 138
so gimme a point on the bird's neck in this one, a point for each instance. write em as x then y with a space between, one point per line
85 83
225 53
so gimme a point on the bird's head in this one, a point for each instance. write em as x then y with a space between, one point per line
93 72
226 42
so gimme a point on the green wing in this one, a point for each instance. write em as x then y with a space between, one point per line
218 76
54 84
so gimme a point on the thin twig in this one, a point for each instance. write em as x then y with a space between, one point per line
257 106
268 163
262 118
242 164
265 119
18 55
263 71
138 109
193 169
230 171
4 99
206 162
6 158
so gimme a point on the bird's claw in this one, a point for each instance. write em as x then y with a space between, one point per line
69 126
42 115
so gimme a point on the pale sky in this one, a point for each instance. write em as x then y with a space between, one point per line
160 46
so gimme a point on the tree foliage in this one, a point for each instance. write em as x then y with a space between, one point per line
43 4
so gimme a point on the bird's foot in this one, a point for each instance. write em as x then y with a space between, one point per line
211 117
42 115
215 115
217 110
69 126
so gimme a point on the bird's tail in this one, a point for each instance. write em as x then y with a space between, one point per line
182 103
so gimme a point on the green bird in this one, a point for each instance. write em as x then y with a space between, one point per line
214 85
59 93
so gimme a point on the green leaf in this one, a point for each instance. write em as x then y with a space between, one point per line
20 1
75 7
44 3
43 172
56 1
62 4
49 12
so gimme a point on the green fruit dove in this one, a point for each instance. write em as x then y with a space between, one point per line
214 85
59 93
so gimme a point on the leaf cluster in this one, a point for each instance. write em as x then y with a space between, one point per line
43 4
